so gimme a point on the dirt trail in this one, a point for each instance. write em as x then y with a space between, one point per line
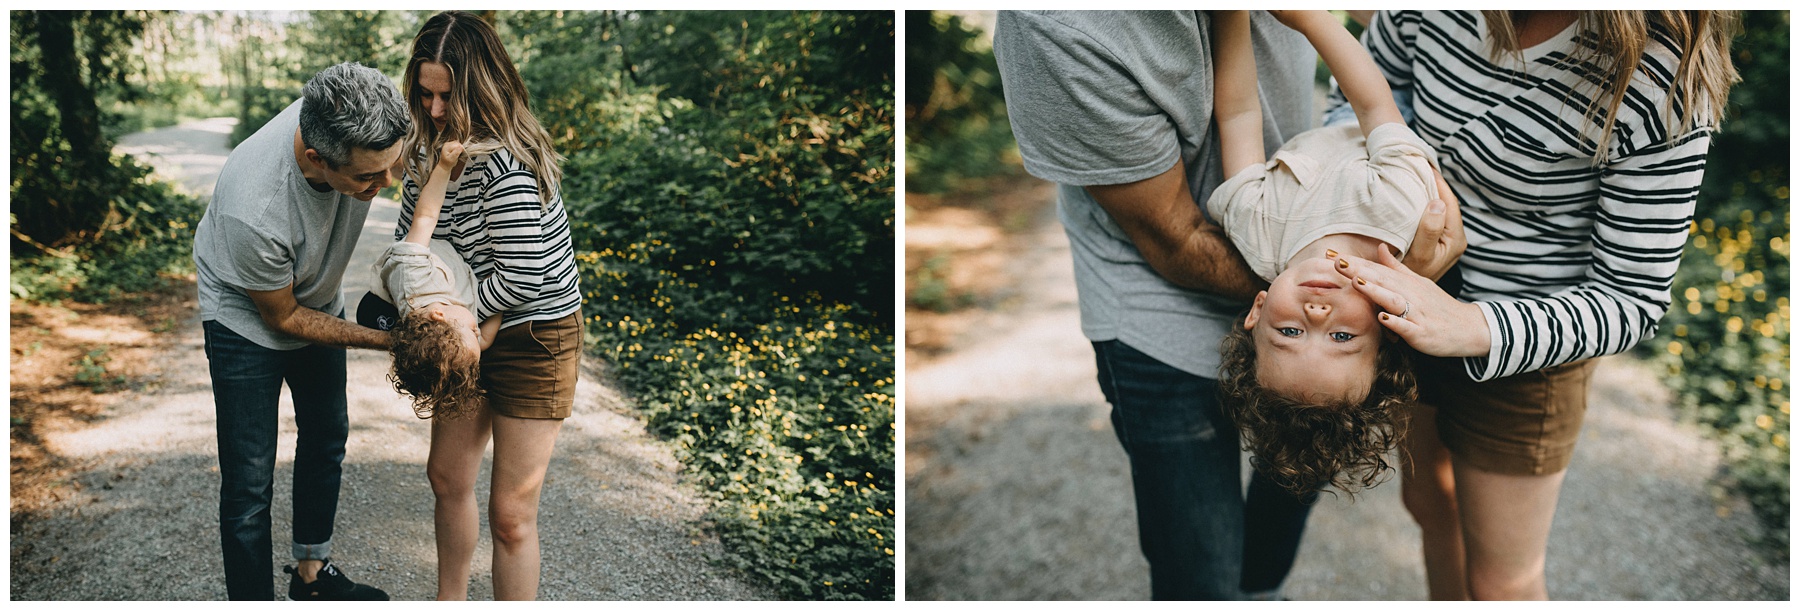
1017 489
616 521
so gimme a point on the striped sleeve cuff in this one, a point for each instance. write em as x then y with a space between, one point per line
1484 368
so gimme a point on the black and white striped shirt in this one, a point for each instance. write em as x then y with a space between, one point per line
518 246
1567 259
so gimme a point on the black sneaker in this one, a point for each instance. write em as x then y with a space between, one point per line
330 585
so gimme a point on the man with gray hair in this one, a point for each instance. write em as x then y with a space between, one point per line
271 252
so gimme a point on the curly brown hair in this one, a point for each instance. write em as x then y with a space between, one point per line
431 366
1301 444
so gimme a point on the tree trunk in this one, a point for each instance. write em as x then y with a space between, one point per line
83 204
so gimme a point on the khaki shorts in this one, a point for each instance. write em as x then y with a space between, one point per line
1525 424
530 370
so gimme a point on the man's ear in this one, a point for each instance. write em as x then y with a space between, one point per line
1255 311
312 156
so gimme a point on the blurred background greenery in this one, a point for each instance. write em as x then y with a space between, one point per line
1724 343
1725 339
730 187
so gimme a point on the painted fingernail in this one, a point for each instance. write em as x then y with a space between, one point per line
1343 264
1359 280
1331 253
1384 315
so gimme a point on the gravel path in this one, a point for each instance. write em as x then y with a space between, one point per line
1017 489
616 521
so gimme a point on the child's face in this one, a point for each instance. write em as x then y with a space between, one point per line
464 321
1314 334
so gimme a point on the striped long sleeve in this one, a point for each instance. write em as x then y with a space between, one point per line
1568 259
518 245
1646 202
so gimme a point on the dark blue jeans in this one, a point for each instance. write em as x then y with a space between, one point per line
246 381
1205 539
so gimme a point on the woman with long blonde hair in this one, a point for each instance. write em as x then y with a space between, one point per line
1575 142
504 215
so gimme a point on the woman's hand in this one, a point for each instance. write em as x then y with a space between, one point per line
1430 320
1440 239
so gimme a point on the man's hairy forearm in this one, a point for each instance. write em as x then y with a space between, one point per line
1208 262
320 328
1176 240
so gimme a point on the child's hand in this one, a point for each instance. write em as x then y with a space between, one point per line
450 154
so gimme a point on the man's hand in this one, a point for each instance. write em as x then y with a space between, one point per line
1162 220
282 313
1440 239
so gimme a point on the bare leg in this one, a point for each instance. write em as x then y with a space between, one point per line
522 448
456 448
1506 526
1428 488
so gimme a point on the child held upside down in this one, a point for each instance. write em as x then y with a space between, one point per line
437 342
1312 382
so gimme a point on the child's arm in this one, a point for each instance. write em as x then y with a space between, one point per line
489 328
1362 83
1237 109
431 196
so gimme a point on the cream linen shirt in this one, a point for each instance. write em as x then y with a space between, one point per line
412 276
1325 181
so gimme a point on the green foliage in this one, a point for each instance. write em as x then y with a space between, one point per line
257 105
90 371
87 225
65 184
729 183
174 70
1725 340
784 414
271 63
149 241
956 125
931 287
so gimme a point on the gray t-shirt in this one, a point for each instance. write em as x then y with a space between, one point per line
266 229
1103 98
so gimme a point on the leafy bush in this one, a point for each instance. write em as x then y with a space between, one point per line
1725 340
956 125
86 224
149 241
785 415
729 184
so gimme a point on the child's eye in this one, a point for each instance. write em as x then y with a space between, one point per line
1342 336
1289 331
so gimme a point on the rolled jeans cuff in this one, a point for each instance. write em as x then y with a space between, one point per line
312 551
